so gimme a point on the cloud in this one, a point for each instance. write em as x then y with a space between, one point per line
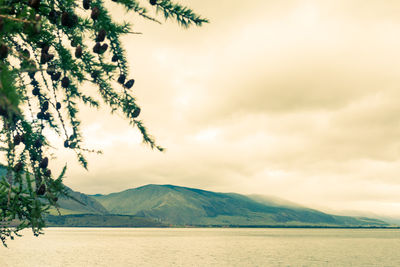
297 99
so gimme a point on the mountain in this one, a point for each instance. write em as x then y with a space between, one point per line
188 206
79 204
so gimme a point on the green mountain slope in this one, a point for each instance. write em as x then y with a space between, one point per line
79 204
188 206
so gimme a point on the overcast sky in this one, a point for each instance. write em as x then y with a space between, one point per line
295 99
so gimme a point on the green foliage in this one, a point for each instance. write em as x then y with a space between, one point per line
50 51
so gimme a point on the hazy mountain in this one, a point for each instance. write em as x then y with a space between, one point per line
188 206
80 204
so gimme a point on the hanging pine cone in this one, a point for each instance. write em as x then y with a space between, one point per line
74 43
46 116
56 76
96 48
121 78
136 112
36 92
129 83
17 140
153 2
66 144
40 115
43 164
34 3
78 51
18 167
58 105
114 58
53 16
95 13
47 173
103 48
3 51
38 143
65 19
41 190
65 82
45 105
86 4
101 35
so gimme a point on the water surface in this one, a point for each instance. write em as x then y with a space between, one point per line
204 247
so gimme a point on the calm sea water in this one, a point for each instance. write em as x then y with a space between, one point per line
204 247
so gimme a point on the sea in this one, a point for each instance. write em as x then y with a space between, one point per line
204 247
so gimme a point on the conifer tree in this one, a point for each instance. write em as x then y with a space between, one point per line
49 50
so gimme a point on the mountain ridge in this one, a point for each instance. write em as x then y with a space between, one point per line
184 206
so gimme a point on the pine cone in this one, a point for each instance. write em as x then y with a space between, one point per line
17 140
121 78
129 83
78 51
41 190
103 48
136 112
65 82
95 13
18 167
43 164
45 105
34 3
86 4
38 143
114 58
153 2
36 92
56 76
101 35
3 51
96 48
58 105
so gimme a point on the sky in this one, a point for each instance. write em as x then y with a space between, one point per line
293 99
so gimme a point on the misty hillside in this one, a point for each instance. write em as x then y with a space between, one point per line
188 206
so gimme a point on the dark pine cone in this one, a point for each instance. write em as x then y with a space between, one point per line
41 190
56 76
65 82
17 140
41 115
58 105
66 144
53 16
114 58
35 92
129 83
38 143
3 51
86 4
136 112
65 19
34 3
103 48
96 48
46 116
121 78
95 13
101 35
153 2
47 173
45 105
18 167
78 51
43 164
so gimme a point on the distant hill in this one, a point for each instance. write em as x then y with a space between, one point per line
79 204
188 206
